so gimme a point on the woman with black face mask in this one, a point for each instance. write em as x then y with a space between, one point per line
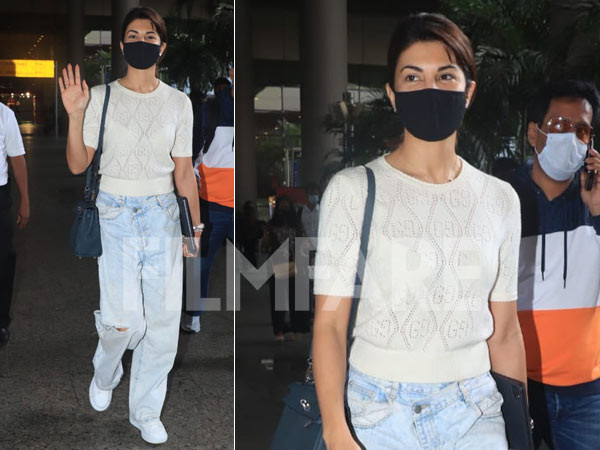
146 154
437 307
282 229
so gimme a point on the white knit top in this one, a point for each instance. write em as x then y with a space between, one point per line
437 254
141 135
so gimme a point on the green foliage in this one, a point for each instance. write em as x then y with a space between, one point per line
509 39
374 128
93 66
199 49
518 44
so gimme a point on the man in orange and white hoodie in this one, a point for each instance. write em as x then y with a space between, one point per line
214 167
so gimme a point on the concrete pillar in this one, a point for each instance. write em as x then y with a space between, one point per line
324 62
245 149
75 32
120 8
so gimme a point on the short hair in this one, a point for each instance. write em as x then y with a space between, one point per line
144 12
429 27
575 89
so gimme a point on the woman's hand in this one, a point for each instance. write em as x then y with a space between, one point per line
74 93
342 441
186 252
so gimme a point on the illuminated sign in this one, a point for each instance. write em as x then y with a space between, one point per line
27 68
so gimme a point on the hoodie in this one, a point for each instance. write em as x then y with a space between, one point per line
559 286
214 164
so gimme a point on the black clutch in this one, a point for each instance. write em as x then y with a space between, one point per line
515 412
187 228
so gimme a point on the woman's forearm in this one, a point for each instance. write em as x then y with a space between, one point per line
77 155
507 356
329 366
188 188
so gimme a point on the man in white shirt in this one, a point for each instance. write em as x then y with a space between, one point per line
11 149
309 213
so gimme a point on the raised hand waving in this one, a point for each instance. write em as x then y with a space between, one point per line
75 94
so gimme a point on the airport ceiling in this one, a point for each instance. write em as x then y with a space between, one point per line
26 46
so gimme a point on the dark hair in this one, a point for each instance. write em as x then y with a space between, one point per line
221 81
158 23
428 27
281 218
575 89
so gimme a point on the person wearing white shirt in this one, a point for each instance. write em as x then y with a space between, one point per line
12 150
309 213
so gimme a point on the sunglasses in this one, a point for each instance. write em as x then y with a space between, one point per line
560 124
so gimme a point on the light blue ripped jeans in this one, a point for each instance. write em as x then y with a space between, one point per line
462 415
141 282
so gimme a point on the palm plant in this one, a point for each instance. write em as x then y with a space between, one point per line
518 44
200 50
510 41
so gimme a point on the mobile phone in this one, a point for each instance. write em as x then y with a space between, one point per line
590 174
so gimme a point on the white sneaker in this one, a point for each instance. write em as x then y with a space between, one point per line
191 324
153 431
99 398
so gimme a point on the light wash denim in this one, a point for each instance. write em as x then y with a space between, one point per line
141 282
460 415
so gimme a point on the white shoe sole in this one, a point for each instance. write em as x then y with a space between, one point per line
146 437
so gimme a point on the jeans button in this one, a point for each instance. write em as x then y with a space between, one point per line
418 409
135 210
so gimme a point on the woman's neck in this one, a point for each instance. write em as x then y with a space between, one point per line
432 162
142 81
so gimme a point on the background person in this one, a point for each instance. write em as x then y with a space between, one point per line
438 301
283 229
11 150
559 280
146 155
251 231
214 166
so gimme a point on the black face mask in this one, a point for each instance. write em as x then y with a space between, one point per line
431 114
141 55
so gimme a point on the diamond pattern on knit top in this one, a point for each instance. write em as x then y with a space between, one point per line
142 132
437 254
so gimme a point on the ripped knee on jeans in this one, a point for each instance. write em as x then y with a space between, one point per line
122 330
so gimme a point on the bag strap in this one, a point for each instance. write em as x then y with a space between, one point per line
362 254
91 178
360 268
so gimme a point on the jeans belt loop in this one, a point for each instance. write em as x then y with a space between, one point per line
465 392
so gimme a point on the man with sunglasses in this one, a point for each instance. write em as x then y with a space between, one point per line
559 267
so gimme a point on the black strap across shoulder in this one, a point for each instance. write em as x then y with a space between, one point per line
91 178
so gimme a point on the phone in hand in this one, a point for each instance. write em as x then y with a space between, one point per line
590 174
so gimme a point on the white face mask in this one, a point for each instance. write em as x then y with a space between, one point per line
562 155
